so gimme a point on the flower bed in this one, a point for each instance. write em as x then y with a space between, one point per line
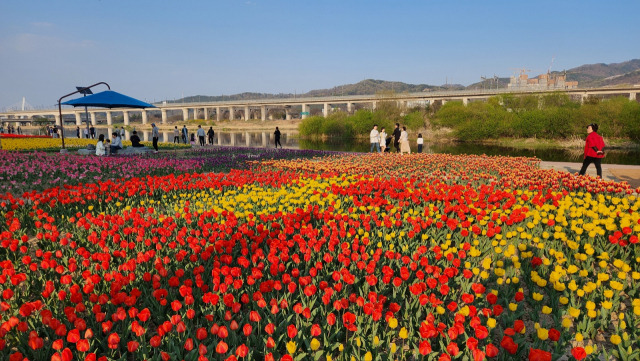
12 135
54 144
337 258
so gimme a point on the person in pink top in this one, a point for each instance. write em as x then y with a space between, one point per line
593 150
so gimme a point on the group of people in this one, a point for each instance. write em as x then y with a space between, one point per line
381 142
183 134
88 133
108 146
11 129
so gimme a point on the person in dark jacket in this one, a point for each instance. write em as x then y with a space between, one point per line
276 134
593 150
396 137
135 140
211 133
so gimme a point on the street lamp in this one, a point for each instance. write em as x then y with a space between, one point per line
60 110
85 91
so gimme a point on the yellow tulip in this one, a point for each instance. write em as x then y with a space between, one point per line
543 333
403 333
393 322
291 347
315 344
368 356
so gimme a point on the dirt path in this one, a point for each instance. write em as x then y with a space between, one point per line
616 172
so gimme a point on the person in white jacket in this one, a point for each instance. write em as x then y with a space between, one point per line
374 138
100 148
404 141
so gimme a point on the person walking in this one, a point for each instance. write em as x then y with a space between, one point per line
155 134
185 134
374 139
92 131
383 140
277 136
211 133
396 137
593 150
86 133
420 143
176 135
404 141
78 132
201 135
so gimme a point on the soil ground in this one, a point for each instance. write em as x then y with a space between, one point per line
616 172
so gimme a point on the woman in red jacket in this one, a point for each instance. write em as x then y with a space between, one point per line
593 150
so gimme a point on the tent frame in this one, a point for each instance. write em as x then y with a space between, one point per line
80 90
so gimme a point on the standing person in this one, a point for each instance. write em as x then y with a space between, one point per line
396 137
383 140
100 148
155 134
92 131
277 136
193 139
374 139
19 130
593 150
78 132
211 133
404 141
117 142
176 135
201 135
420 143
185 134
121 132
86 133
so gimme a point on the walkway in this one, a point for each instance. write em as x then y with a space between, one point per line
616 172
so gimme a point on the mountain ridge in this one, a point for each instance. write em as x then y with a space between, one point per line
587 75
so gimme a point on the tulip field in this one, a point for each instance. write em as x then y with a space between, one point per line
301 255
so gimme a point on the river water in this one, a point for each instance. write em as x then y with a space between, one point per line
291 140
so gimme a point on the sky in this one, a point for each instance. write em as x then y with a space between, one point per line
166 49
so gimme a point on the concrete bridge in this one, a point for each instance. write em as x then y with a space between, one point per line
258 109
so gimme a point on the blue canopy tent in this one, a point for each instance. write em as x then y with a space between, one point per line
106 99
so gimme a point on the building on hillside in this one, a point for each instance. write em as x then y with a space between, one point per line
541 82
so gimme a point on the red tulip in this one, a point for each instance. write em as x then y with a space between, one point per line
242 351
424 348
292 331
578 353
113 340
222 347
132 346
539 355
269 328
188 344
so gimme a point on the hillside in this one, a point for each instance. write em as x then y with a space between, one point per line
589 75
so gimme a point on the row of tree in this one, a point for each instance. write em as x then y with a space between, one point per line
553 116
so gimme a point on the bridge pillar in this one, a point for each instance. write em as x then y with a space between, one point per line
218 115
374 105
465 101
305 109
93 118
633 96
164 116
444 101
325 110
287 112
247 115
231 114
185 114
247 139
58 120
583 98
206 113
263 112
144 117
109 119
125 114
233 139
78 119
349 107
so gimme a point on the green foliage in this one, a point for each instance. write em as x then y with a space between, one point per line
550 116
342 125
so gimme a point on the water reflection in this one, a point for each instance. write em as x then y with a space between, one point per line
291 140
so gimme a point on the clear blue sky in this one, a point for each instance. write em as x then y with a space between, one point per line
164 49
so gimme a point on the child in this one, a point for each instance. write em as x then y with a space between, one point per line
193 139
420 143
107 146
